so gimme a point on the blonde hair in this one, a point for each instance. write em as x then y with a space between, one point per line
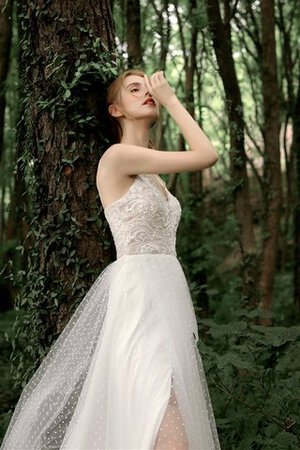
114 95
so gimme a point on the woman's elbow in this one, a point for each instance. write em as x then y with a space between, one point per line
205 159
213 157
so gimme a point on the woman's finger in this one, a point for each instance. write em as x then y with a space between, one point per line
147 83
152 80
161 75
155 78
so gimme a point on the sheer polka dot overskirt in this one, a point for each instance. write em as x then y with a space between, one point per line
125 374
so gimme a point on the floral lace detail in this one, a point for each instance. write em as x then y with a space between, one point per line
143 220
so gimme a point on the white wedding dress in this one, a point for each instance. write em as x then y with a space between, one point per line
125 374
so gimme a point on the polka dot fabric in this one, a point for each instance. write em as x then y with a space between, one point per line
125 374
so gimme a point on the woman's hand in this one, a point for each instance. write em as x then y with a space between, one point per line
159 88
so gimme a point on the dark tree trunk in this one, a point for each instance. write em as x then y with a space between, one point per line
287 105
133 33
296 152
112 5
2 209
163 28
66 60
199 276
5 44
190 69
272 173
222 44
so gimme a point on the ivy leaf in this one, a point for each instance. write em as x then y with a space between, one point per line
67 94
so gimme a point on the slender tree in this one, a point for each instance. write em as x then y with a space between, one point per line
272 173
163 29
286 25
199 276
296 151
133 33
189 51
221 36
15 226
5 44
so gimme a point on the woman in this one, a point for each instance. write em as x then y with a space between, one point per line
126 373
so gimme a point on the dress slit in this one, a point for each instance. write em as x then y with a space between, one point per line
171 433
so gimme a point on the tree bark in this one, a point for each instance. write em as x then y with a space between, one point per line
64 48
272 175
296 152
5 44
190 70
221 35
133 33
287 104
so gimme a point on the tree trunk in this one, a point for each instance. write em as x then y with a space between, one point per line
190 69
133 33
2 208
66 61
296 152
287 105
5 43
222 44
272 174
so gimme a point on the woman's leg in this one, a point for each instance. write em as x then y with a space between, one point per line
171 434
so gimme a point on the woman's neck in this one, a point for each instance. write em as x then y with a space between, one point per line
136 133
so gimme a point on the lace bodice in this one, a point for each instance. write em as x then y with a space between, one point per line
143 220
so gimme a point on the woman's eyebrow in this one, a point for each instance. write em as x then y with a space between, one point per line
136 83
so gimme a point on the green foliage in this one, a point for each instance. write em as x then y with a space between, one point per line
8 395
254 375
253 371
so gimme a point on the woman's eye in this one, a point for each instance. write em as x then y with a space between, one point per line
134 89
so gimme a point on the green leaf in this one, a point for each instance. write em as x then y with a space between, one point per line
67 94
278 336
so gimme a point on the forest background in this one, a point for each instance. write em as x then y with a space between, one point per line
235 65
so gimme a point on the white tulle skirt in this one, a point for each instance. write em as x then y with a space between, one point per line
125 371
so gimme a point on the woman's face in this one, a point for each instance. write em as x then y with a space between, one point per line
136 102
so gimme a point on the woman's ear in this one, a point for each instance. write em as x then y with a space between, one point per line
114 110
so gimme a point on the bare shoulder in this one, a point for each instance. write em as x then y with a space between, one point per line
123 156
109 155
114 148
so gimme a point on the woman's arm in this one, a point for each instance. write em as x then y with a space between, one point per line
190 129
131 159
